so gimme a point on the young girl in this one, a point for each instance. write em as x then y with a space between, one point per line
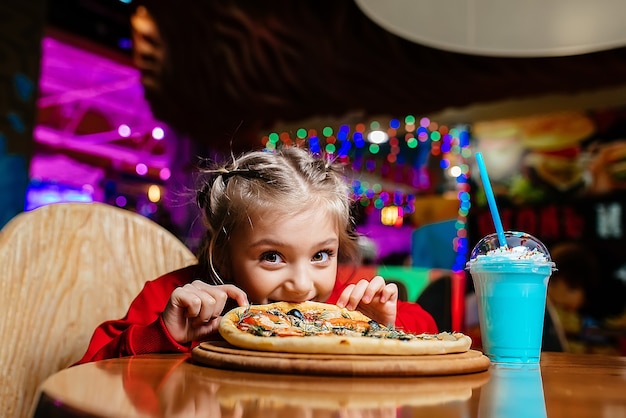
278 224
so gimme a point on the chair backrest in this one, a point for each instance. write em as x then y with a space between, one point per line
65 268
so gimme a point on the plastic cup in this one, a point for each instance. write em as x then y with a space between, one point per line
511 284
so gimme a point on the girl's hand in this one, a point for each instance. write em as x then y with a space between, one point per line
373 298
193 311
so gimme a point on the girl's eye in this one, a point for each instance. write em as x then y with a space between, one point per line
271 257
322 256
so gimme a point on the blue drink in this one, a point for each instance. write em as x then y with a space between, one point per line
511 286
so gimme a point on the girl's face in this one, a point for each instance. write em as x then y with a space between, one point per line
290 258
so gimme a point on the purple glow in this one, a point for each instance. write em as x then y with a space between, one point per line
165 173
121 201
74 78
158 133
141 169
148 209
43 193
389 240
124 130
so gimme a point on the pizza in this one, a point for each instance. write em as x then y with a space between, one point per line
315 327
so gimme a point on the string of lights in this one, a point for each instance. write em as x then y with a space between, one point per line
397 152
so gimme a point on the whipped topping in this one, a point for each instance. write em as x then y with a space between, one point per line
514 253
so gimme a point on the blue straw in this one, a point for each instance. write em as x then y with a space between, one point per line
491 200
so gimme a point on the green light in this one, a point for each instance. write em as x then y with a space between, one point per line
374 125
379 204
412 143
330 148
327 131
374 148
409 120
270 146
435 136
377 187
273 137
301 133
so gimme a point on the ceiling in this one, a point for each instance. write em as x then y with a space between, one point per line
221 72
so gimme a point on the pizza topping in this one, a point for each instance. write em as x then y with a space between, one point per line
275 323
296 313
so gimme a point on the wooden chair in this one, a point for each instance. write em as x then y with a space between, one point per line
66 268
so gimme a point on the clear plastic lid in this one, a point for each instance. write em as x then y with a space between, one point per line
520 246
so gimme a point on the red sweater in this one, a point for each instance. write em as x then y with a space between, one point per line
142 330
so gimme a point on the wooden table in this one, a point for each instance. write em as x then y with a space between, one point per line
566 385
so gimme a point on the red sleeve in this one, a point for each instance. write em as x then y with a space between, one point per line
142 330
411 317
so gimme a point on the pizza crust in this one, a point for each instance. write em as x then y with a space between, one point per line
427 344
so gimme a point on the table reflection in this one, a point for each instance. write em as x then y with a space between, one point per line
565 385
185 389
513 391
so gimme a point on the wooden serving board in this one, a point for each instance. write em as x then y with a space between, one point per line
221 355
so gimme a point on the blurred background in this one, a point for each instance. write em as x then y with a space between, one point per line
117 101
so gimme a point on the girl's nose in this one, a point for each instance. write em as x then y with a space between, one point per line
300 281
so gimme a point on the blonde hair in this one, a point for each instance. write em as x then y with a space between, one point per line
284 181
